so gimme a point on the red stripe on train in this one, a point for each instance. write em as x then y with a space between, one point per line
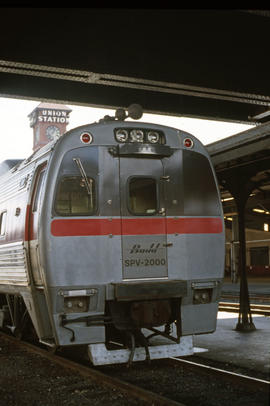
145 226
195 225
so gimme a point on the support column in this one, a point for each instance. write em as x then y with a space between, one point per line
245 322
240 188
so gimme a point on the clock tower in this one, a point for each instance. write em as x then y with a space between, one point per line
49 122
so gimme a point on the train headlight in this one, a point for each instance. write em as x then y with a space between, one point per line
153 137
121 135
139 135
202 296
136 136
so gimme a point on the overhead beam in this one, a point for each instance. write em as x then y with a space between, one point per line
115 91
195 63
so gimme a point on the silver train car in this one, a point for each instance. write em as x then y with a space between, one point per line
112 238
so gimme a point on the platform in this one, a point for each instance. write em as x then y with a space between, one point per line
249 350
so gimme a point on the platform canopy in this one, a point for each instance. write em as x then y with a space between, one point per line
198 63
242 165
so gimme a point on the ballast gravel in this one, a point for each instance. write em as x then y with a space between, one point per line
27 378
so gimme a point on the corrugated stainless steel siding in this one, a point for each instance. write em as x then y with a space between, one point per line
13 264
14 184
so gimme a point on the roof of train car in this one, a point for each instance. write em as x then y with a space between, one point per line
8 164
107 138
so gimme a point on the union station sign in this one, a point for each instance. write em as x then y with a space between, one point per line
53 116
50 114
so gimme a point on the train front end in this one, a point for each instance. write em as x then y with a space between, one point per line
135 241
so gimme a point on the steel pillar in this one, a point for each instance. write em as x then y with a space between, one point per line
245 322
240 187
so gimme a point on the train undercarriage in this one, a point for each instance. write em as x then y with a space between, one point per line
134 330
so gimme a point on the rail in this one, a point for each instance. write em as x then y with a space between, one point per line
116 379
254 308
96 376
238 379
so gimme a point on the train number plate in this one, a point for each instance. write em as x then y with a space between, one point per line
144 258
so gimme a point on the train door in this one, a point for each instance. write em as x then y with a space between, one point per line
34 212
143 218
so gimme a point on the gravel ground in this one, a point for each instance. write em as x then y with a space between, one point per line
28 379
182 385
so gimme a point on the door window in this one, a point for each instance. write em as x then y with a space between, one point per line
143 196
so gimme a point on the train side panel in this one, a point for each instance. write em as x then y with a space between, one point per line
14 195
20 289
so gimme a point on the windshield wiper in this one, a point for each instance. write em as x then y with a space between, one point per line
88 183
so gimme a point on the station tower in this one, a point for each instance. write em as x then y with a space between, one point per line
49 121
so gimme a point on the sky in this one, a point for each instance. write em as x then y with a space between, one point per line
16 135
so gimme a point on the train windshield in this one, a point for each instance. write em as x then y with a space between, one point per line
72 197
200 191
76 190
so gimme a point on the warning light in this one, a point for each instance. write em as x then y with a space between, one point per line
86 138
188 143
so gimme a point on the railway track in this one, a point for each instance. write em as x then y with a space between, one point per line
237 379
112 378
145 396
254 298
260 303
255 308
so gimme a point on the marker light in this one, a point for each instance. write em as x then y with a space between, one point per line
153 137
86 138
202 296
136 136
121 135
188 143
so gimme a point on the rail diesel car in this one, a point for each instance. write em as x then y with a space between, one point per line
112 238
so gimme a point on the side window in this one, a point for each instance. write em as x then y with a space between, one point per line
3 219
259 256
38 190
142 196
73 197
